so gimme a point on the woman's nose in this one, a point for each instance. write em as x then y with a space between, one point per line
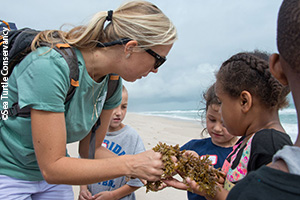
154 70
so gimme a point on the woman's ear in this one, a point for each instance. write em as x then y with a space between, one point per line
129 46
276 69
245 101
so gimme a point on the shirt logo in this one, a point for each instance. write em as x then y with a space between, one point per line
104 145
100 103
212 158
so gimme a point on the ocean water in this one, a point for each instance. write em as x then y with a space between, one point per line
288 118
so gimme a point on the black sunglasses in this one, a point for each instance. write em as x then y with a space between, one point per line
159 60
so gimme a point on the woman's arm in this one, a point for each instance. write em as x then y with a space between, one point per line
49 139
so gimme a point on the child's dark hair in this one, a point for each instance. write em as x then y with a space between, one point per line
288 29
210 97
250 71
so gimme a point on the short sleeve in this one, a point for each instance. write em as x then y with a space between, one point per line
186 146
140 147
115 100
44 81
262 152
135 182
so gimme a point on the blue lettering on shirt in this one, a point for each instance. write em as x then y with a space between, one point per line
113 147
109 183
117 149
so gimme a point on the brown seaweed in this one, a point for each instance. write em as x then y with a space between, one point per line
167 152
198 169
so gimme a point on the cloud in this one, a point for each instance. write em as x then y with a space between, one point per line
209 33
180 88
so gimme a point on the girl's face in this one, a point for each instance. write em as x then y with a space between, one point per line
229 110
119 114
214 124
141 63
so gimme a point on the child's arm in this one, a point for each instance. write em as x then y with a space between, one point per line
220 194
116 194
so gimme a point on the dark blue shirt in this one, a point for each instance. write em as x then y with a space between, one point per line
205 147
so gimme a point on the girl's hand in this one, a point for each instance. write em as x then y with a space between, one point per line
221 179
221 193
193 153
147 165
192 185
195 187
85 194
105 195
173 182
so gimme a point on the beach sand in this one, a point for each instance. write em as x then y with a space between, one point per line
152 130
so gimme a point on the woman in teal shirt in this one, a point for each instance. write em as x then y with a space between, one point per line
134 43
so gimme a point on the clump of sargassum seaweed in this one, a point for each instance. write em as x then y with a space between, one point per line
197 169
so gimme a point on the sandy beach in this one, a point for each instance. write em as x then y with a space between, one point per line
153 130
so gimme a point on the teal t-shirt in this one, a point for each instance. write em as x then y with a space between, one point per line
41 81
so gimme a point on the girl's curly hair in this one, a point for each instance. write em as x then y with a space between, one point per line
250 72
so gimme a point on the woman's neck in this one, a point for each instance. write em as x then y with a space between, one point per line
95 63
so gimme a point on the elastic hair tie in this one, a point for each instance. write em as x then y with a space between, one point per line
109 15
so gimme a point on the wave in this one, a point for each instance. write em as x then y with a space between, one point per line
177 114
292 130
288 118
288 111
287 115
171 111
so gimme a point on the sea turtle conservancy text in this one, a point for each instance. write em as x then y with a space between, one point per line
4 73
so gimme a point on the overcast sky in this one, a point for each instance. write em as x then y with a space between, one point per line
209 32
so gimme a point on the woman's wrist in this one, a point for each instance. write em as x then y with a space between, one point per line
128 164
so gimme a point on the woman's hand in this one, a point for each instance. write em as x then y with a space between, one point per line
147 165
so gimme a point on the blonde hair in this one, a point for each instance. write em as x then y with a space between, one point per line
124 89
137 20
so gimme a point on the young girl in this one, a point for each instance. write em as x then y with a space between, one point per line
250 110
33 150
250 98
220 142
281 179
